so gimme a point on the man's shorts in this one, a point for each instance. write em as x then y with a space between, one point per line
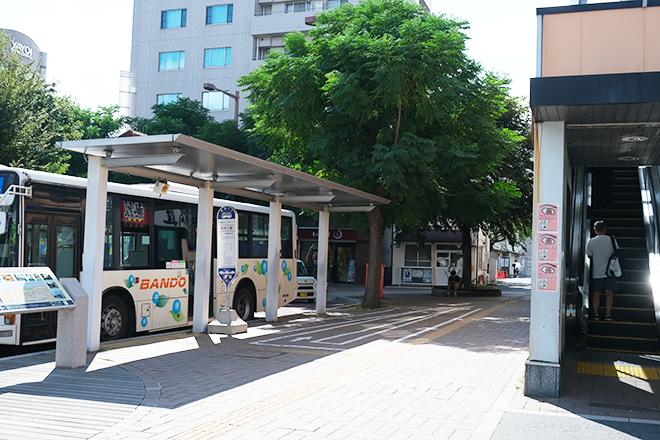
603 284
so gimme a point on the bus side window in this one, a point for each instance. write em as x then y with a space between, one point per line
259 235
287 238
134 235
168 245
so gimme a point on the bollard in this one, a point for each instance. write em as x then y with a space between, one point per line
71 345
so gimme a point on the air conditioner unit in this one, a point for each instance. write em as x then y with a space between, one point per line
318 6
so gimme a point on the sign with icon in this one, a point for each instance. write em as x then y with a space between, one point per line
547 246
227 238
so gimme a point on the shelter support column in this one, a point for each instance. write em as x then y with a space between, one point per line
203 261
91 278
542 369
322 263
274 247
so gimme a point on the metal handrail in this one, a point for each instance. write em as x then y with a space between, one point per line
649 182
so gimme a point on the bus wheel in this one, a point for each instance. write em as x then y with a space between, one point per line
114 318
243 304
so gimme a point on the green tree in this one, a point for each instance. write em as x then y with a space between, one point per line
32 116
380 98
186 116
492 193
189 117
104 122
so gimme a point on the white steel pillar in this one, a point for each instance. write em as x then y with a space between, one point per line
542 370
322 263
91 277
274 270
203 260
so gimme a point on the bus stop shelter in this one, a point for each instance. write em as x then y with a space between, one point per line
189 161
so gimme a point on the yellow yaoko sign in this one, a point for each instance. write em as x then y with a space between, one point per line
31 289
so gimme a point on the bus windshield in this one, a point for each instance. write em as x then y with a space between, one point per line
8 238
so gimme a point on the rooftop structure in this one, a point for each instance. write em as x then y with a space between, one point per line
27 49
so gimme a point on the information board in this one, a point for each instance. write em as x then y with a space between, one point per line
29 289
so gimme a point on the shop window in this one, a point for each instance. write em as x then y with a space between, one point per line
419 256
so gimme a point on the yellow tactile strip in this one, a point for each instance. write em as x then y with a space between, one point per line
252 412
619 370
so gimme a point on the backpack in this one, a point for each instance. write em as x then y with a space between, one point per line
617 261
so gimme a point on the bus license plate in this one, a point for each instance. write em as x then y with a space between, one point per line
303 294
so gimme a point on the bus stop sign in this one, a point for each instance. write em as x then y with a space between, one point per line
227 229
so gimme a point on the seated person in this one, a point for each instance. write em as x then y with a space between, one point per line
452 283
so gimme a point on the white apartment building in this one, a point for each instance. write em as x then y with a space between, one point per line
179 45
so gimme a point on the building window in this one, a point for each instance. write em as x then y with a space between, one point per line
172 60
298 7
219 14
169 98
173 19
417 256
215 101
332 4
217 57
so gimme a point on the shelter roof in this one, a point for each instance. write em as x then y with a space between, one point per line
186 160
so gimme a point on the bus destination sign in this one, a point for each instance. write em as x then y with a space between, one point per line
31 289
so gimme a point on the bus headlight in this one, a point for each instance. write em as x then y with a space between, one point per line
10 319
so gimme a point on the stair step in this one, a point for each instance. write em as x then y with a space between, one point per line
625 330
628 314
637 263
616 343
617 201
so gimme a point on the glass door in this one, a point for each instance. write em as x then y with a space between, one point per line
345 254
447 258
53 241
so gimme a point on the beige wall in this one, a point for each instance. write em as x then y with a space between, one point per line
601 42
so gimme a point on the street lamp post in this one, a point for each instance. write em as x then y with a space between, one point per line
234 96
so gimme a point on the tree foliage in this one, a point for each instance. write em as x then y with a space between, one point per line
384 98
32 116
105 122
186 116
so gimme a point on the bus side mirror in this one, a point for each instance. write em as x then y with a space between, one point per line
3 222
7 199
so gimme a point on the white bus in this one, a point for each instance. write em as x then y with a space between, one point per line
149 256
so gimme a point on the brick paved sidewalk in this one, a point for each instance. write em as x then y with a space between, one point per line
462 380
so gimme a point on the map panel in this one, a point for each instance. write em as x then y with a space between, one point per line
28 289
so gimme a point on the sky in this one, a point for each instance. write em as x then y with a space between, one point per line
89 41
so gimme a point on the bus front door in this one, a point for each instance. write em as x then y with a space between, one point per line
53 241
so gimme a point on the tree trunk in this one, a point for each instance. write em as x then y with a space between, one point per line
466 246
371 298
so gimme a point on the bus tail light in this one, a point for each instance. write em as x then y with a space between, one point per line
10 319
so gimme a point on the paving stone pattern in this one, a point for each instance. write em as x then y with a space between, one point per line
442 368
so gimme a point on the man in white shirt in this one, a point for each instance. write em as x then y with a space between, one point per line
599 250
